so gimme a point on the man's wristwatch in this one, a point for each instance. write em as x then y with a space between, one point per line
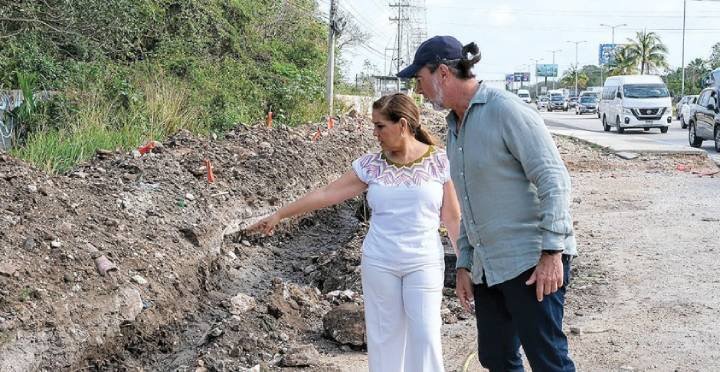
551 252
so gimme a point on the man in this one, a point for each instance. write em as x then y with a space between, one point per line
516 238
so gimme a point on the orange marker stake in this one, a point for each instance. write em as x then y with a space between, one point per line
331 122
268 119
146 148
210 175
317 135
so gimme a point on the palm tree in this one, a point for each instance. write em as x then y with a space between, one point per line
622 63
568 78
648 51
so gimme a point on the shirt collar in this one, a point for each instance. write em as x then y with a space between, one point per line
481 97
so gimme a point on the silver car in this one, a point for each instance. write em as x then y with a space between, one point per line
586 104
684 101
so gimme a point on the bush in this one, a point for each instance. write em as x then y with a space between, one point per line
127 71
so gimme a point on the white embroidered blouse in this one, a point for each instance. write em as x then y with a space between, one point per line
405 202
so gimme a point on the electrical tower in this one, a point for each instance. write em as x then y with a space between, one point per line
411 19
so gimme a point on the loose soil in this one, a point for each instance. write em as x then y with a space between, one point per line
641 296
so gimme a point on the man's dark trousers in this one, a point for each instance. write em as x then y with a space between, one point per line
509 314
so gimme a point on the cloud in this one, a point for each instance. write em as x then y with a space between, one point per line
501 16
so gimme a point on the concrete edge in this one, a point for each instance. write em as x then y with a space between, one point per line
614 149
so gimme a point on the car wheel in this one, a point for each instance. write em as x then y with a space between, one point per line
693 139
717 139
620 129
664 129
606 127
646 129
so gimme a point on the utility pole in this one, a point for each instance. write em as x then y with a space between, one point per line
536 60
682 85
399 19
576 62
553 53
612 27
332 29
387 68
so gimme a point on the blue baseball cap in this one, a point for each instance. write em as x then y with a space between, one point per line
433 50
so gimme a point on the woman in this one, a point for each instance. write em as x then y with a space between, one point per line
409 193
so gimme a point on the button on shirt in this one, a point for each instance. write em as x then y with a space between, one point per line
513 187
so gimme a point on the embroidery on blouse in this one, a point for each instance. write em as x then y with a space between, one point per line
432 167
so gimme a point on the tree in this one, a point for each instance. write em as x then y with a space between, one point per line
622 63
350 32
593 74
568 78
714 61
695 73
647 51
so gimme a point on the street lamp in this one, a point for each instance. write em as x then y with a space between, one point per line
536 60
613 27
682 86
576 61
553 53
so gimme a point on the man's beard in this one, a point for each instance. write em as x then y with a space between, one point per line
437 102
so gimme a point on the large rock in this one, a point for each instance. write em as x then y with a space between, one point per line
301 356
130 304
346 324
241 304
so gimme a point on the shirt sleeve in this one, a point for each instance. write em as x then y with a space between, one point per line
529 141
443 167
358 167
465 260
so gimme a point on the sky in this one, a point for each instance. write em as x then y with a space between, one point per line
511 33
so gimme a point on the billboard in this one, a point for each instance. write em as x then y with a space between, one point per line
509 78
547 70
606 53
521 76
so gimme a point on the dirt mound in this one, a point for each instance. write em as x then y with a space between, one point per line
156 219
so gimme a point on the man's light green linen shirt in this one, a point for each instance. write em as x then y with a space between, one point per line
512 185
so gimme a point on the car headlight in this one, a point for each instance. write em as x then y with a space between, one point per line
627 111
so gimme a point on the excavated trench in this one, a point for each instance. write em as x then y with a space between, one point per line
313 256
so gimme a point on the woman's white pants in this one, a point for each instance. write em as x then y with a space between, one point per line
402 316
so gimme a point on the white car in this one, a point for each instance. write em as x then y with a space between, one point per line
524 94
635 101
684 113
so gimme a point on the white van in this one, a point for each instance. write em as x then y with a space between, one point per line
635 101
524 94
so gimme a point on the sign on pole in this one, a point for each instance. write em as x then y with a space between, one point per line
521 76
547 70
606 53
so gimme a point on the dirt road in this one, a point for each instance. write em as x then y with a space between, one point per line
644 290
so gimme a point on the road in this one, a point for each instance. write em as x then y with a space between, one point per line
632 140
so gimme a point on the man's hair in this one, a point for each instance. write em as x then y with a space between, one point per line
461 68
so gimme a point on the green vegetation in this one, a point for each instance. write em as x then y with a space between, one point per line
123 72
647 51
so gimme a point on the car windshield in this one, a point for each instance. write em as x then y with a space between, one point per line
645 91
588 99
556 98
524 95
